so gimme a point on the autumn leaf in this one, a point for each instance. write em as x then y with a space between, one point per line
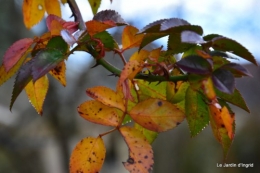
106 96
59 73
130 70
53 7
156 115
140 151
96 112
33 12
130 38
88 156
15 52
139 56
55 24
223 126
36 93
104 20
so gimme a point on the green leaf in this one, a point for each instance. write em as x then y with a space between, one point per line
107 40
22 79
226 44
151 90
176 94
224 80
150 37
195 64
211 36
58 43
94 4
45 61
149 135
197 112
235 98
174 44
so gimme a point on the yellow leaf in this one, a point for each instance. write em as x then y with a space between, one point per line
99 113
33 12
208 89
130 70
140 151
107 97
140 55
88 156
36 92
53 7
59 73
130 38
157 115
155 54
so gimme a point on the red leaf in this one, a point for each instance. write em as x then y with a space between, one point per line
15 52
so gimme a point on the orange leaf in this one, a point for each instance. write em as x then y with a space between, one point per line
130 39
222 119
99 113
222 124
140 55
157 115
33 12
15 52
107 97
59 73
53 7
95 27
88 156
140 151
36 92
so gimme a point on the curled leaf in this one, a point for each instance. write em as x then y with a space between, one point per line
130 39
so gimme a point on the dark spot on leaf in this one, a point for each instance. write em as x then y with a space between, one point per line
146 157
222 125
130 160
178 123
159 103
139 161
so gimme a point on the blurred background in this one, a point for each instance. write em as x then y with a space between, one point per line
32 143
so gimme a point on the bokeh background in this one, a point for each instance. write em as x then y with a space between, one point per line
31 143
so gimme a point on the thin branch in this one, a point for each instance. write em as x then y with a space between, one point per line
146 77
76 13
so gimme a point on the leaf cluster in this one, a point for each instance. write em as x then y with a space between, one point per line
155 91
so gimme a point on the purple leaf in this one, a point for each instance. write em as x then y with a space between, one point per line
195 64
224 80
45 61
109 15
173 22
22 79
237 69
